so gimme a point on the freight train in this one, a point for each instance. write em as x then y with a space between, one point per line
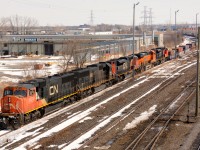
29 100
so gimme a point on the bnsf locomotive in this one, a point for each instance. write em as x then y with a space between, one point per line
29 100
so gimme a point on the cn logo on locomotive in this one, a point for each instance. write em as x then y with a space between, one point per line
53 89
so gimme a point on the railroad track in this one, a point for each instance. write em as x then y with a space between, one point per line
162 84
145 140
141 96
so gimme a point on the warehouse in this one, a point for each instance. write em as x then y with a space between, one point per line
55 44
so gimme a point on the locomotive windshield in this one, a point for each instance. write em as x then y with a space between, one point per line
16 92
20 93
8 92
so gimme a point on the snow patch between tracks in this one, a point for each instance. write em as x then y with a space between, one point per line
143 116
86 118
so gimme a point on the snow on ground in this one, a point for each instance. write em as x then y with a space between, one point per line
53 57
38 146
14 69
102 147
174 103
40 122
19 134
166 72
143 116
26 134
80 116
186 41
22 66
7 79
79 142
86 118
51 146
3 132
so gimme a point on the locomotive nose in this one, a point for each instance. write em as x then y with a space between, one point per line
6 104
10 104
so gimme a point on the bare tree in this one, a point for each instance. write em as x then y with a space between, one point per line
123 48
3 25
81 58
3 29
76 53
21 25
33 70
27 24
83 53
68 52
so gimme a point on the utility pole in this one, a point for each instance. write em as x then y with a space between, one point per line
196 24
198 77
134 34
170 21
175 29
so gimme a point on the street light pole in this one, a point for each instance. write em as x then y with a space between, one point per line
175 29
196 23
134 34
198 77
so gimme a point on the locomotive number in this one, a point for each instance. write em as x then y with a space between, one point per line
53 89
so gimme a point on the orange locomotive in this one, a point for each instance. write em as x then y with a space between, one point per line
19 100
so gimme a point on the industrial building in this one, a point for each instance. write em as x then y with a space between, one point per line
55 44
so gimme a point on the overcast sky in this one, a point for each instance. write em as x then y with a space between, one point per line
76 12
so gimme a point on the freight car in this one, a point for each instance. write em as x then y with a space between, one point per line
29 100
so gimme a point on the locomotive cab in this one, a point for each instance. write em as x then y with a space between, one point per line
21 99
15 97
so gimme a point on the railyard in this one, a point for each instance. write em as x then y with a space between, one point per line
116 116
99 75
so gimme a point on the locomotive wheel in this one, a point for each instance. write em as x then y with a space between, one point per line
79 96
92 90
27 118
15 123
33 116
66 102
122 77
84 94
42 112
3 126
108 84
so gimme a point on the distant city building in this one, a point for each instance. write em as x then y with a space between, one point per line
101 33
